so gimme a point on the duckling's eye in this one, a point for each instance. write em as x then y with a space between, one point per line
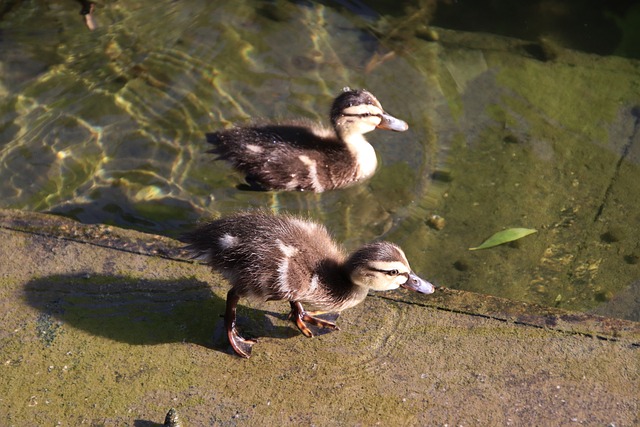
361 115
392 272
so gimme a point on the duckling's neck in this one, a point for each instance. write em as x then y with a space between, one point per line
333 290
356 296
362 152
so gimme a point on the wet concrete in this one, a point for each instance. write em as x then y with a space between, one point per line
105 326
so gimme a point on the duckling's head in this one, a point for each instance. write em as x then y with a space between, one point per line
359 112
383 266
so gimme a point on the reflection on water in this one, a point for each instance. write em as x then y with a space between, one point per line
108 126
112 130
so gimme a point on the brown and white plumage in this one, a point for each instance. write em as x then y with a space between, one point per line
299 156
282 257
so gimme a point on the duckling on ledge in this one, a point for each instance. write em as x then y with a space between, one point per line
282 257
307 157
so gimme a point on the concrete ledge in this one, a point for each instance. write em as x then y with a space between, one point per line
453 300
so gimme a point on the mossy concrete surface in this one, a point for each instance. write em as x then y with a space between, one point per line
105 326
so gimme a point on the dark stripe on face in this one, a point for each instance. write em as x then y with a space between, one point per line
392 272
362 115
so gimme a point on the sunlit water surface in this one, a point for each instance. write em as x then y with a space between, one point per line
108 127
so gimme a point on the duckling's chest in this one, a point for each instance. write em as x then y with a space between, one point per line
364 156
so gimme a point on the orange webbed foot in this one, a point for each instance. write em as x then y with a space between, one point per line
300 316
240 345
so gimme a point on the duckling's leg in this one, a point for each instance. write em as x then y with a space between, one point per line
300 316
241 346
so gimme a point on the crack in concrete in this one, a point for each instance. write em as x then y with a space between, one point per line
161 251
624 153
635 112
506 318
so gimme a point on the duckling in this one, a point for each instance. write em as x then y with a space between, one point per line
282 257
306 157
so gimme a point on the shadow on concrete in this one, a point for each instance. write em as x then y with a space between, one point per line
143 312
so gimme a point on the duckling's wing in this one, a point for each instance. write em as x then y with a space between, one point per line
251 142
284 157
256 250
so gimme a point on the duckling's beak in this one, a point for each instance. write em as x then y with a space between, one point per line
391 123
417 284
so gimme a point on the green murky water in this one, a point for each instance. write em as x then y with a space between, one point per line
108 126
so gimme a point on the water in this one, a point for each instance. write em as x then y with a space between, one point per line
108 127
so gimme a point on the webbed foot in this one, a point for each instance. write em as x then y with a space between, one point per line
240 345
299 316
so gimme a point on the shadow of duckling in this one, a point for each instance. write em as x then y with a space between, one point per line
143 312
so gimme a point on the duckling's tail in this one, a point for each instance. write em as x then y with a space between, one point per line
196 246
229 145
220 146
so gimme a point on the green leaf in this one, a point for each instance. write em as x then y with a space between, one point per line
504 236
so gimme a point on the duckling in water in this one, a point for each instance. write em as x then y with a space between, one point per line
281 257
300 156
